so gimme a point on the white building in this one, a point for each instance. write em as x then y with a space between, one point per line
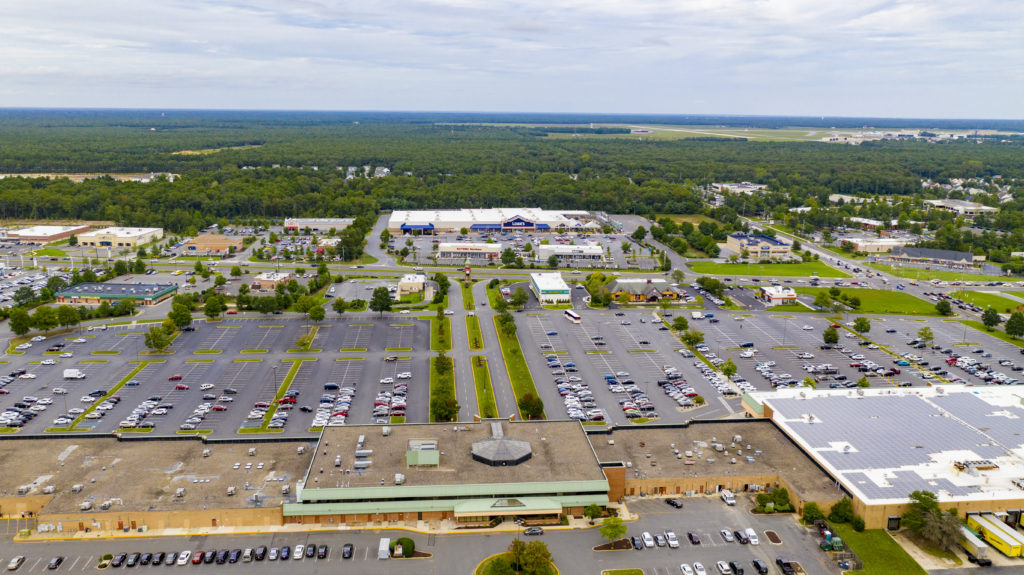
777 294
118 237
479 252
43 234
962 208
570 255
497 220
877 245
739 188
317 225
550 288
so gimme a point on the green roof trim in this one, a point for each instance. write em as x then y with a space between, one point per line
456 505
418 457
471 490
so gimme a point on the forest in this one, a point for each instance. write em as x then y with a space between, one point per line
244 165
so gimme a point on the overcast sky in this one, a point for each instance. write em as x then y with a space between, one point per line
914 58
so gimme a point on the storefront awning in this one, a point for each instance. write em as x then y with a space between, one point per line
507 506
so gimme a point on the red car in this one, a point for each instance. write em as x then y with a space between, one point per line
836 325
261 404
181 387
286 400
175 377
219 408
197 557
231 312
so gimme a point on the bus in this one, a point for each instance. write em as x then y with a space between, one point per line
572 316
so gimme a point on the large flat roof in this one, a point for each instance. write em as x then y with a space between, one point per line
121 232
156 470
549 281
560 452
139 290
778 454
484 216
469 247
882 444
44 231
566 249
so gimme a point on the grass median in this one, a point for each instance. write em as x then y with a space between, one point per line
996 333
441 384
484 390
942 275
878 301
986 300
476 339
285 383
515 365
467 295
92 407
440 333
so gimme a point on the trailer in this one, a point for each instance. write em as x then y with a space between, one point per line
976 550
1006 539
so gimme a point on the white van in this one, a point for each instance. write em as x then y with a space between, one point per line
728 497
752 535
384 549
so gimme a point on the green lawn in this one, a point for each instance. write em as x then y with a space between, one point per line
806 269
622 572
50 252
467 296
476 339
484 389
996 333
486 566
440 383
879 552
440 333
879 301
515 365
928 275
987 300
694 219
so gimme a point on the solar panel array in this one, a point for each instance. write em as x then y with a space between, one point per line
901 483
884 431
979 414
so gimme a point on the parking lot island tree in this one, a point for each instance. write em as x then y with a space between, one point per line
613 528
380 301
830 335
943 308
990 317
1015 325
157 338
862 325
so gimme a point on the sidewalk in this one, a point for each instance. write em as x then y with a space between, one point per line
444 527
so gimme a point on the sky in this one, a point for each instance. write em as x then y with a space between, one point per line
893 58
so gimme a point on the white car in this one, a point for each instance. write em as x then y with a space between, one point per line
49 361
88 399
38 338
805 328
404 311
184 556
23 346
66 354
448 312
206 386
79 340
27 376
698 569
805 355
673 541
685 569
647 539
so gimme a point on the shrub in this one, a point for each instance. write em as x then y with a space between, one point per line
858 523
842 511
408 546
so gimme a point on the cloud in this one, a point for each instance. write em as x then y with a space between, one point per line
870 57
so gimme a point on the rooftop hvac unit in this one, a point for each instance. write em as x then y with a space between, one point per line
362 464
77 488
385 431
232 490
85 505
252 451
361 442
286 489
24 489
399 479
337 461
206 453
364 452
49 489
180 492
301 449
105 505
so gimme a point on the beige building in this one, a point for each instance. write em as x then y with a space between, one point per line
213 244
760 247
411 283
118 237
42 234
269 280
877 245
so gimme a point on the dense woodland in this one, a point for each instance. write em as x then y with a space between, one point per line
437 164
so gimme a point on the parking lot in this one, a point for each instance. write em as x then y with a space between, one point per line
219 375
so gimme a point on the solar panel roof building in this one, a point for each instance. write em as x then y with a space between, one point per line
966 445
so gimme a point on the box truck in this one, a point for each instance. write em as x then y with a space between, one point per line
74 374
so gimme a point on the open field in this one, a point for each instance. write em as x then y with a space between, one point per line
986 300
881 301
692 218
771 270
943 275
207 151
